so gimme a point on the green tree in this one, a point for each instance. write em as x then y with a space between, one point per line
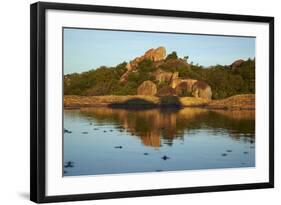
172 55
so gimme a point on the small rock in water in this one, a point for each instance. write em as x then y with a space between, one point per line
158 170
165 157
145 153
223 154
96 128
104 131
118 147
229 150
67 131
111 130
69 164
84 132
91 123
246 152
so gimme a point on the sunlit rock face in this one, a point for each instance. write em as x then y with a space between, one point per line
192 87
202 90
152 54
155 54
162 76
175 86
147 88
183 87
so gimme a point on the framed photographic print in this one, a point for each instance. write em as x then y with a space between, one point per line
129 102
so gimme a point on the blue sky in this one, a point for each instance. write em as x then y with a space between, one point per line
86 49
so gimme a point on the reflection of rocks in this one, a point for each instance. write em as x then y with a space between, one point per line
151 138
237 114
154 125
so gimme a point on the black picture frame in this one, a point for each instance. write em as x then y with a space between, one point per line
38 101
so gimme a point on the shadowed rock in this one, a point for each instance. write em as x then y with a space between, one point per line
166 91
135 103
170 101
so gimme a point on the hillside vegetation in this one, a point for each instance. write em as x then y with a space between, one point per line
225 80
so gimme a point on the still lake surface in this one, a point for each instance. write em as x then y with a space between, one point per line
114 141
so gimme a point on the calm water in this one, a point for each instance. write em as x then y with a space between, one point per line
111 141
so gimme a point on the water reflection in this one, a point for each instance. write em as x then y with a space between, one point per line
99 140
154 125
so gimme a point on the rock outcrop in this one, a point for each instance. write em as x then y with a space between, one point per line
166 91
175 86
155 54
237 63
147 88
181 87
183 83
192 87
162 76
201 89
152 54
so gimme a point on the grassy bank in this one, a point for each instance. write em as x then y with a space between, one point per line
246 101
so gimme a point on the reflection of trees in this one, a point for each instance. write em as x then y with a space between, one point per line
155 124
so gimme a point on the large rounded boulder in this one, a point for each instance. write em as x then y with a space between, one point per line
201 89
147 88
184 87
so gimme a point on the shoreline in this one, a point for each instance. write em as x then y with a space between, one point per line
237 102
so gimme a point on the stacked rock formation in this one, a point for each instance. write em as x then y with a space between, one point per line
175 86
154 55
